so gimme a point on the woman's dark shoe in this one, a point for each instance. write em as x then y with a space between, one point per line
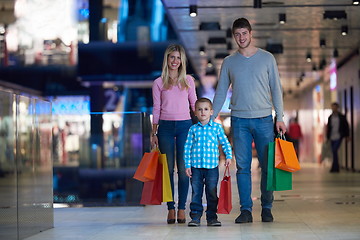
171 216
181 216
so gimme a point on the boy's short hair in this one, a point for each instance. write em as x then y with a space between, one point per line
241 23
203 100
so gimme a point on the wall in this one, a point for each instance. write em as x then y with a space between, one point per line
349 84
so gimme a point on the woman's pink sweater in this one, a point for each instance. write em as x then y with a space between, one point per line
173 104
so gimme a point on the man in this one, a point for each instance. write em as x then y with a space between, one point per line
337 129
256 88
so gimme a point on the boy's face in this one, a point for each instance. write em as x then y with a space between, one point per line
203 111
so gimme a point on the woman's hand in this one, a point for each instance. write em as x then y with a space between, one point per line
154 141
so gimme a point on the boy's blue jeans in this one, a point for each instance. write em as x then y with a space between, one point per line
199 178
245 130
172 135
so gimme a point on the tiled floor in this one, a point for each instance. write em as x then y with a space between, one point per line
320 206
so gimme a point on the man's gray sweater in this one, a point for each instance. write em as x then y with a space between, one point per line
255 83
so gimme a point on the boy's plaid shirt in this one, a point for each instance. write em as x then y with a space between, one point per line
202 145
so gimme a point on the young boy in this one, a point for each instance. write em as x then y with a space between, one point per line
201 155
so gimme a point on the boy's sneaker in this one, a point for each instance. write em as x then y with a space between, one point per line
214 223
244 217
194 223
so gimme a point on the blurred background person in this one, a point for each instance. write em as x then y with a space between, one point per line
337 129
295 134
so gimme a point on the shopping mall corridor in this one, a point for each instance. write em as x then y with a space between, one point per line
322 205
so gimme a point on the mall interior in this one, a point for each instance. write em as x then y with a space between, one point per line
76 113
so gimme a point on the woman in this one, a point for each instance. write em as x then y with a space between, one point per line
173 95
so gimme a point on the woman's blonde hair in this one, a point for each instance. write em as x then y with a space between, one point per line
181 70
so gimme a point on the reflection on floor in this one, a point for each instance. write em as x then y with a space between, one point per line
320 206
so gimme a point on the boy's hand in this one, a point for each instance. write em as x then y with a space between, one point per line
188 172
228 162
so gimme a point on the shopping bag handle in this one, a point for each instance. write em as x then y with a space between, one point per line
155 149
227 170
281 135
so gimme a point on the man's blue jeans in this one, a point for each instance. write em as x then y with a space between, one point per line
199 178
245 130
171 135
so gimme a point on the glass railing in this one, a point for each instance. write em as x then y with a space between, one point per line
97 170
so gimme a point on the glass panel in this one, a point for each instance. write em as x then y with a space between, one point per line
34 140
8 193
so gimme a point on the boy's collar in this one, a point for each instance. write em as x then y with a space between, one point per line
210 123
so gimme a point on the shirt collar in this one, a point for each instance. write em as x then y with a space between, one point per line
210 123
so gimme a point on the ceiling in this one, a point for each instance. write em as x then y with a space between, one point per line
305 27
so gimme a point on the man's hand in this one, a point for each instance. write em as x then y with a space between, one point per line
188 172
280 127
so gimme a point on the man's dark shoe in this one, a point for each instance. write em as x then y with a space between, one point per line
244 217
266 215
214 223
194 223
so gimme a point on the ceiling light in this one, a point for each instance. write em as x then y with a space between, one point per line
229 33
344 30
209 64
335 53
210 26
356 2
308 57
322 64
221 55
274 48
257 3
229 46
282 18
217 40
202 51
193 10
335 15
322 43
211 72
314 68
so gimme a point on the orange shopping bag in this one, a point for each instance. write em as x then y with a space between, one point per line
225 201
146 170
285 156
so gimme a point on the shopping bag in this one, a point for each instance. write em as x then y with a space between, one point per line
225 197
166 185
146 170
277 179
285 156
152 190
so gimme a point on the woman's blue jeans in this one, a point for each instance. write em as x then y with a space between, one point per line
199 178
245 130
172 136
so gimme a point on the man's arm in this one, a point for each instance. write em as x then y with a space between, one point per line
221 90
276 93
